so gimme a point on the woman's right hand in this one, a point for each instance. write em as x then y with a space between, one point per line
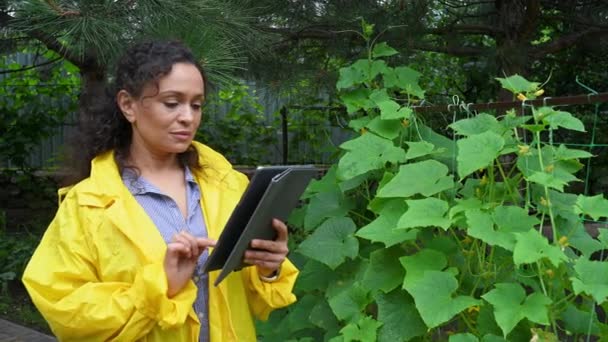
181 259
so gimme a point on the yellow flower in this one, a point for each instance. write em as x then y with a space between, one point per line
549 168
474 308
484 180
563 241
521 97
523 149
405 123
544 202
363 130
539 92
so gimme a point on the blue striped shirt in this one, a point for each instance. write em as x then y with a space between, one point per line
169 220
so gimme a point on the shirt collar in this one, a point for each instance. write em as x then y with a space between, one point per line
138 185
189 176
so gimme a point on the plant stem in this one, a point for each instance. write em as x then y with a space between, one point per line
565 299
505 178
352 212
540 277
549 204
468 324
368 196
492 182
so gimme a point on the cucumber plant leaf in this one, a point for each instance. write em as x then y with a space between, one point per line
556 119
395 308
478 124
511 306
433 289
594 206
428 212
365 153
427 177
323 205
389 108
382 229
531 247
478 151
356 99
481 226
405 79
466 337
591 279
388 129
384 271
517 84
335 238
418 149
365 330
383 50
348 303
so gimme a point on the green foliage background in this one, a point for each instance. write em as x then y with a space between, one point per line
413 235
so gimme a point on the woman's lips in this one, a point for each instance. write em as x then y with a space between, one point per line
182 135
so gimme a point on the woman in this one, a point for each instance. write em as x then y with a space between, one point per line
121 260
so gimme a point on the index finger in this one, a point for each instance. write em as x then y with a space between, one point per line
281 229
205 242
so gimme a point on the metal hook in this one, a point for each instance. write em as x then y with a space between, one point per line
469 106
523 106
545 101
584 86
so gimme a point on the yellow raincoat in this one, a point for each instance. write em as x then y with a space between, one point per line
98 273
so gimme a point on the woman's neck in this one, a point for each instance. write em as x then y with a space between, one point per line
150 162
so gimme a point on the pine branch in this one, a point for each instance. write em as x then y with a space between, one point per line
55 60
466 29
310 32
53 44
464 4
60 11
459 51
565 42
576 20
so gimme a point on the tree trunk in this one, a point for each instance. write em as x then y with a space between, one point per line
92 91
517 20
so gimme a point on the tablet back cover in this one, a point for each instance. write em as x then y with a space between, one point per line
279 199
240 216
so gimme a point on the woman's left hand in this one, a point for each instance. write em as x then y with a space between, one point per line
268 255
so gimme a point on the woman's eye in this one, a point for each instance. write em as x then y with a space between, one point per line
196 106
171 104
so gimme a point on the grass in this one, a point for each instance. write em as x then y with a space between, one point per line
16 306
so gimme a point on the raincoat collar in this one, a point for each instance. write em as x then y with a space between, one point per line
106 189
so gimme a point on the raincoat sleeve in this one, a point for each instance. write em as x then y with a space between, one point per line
64 284
263 296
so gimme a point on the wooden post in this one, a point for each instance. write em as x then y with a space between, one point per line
284 134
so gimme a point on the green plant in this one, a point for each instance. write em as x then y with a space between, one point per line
417 236
309 129
234 124
33 103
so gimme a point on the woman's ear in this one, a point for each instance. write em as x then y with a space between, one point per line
127 104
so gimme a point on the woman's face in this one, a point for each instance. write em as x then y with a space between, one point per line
166 116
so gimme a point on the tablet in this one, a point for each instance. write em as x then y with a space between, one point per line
273 192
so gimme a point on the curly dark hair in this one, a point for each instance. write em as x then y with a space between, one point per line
103 127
